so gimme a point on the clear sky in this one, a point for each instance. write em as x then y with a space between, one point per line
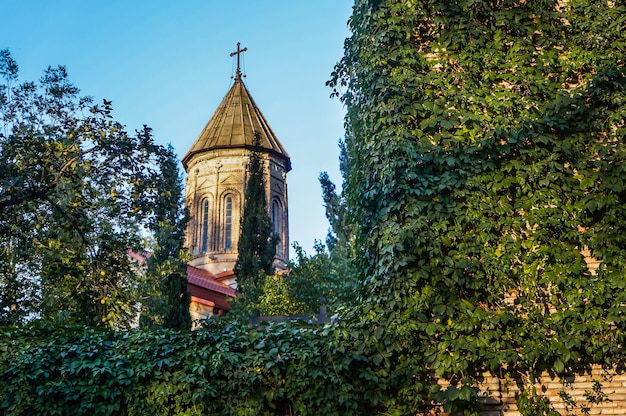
166 64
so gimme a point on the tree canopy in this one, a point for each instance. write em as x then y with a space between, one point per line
342 229
325 276
76 193
486 140
166 273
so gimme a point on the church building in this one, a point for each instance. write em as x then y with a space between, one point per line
216 167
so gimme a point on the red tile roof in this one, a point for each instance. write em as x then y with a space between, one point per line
206 280
226 274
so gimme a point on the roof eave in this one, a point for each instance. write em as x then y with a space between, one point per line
284 156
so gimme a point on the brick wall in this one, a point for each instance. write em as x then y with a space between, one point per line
500 395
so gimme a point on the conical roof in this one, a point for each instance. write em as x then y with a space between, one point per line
233 125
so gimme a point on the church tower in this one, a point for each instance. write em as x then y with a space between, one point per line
216 167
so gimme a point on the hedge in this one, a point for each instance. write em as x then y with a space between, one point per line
223 369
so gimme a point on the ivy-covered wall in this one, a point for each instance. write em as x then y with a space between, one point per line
216 370
488 153
284 369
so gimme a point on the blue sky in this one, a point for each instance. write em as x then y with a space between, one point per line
166 64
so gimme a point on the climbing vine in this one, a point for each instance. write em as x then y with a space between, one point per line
486 140
487 165
219 369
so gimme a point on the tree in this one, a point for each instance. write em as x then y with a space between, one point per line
337 212
257 244
76 191
167 268
19 293
327 275
343 279
277 298
486 145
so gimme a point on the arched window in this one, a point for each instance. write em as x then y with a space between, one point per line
228 224
205 225
277 217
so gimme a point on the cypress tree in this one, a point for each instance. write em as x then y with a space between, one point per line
257 244
167 268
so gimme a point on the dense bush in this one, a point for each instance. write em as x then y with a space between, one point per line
221 369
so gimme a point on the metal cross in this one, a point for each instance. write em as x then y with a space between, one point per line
238 53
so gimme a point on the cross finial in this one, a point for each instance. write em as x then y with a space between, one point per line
238 52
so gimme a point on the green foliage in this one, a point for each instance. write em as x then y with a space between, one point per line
486 154
342 227
218 370
311 280
76 191
278 298
485 140
530 403
257 245
166 274
324 275
247 300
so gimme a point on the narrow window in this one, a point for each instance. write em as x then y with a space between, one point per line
229 224
276 218
205 225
